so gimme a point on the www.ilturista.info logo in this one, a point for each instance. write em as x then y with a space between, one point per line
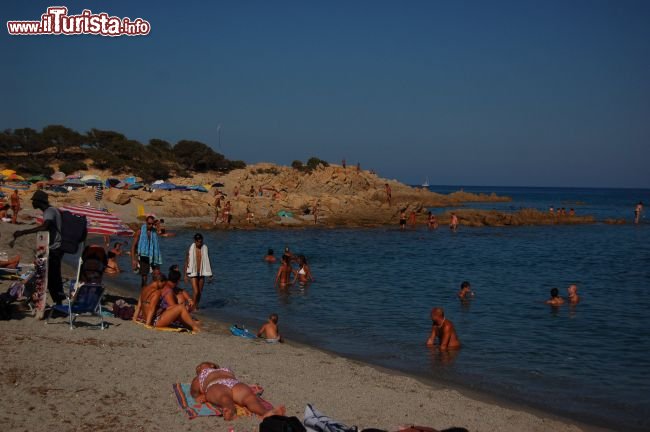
56 22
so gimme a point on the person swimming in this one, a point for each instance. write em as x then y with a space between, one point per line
555 299
572 293
465 292
219 386
270 258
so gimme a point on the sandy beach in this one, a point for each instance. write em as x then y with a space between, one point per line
121 379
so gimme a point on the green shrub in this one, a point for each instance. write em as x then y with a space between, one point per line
69 167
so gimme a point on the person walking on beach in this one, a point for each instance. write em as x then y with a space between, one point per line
145 250
443 330
453 225
572 294
51 223
388 193
637 212
197 267
14 200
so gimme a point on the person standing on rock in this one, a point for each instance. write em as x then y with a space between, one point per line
315 212
197 267
388 193
217 208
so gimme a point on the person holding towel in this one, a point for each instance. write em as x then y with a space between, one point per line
197 267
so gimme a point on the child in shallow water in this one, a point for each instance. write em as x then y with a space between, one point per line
219 386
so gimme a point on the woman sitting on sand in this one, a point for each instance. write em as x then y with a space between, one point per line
158 306
304 273
112 267
219 386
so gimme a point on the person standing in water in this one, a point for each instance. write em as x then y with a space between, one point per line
637 212
443 330
197 267
145 250
453 225
555 299
572 294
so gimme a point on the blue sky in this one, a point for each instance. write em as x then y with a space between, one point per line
530 93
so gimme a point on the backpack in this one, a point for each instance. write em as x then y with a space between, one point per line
74 229
277 423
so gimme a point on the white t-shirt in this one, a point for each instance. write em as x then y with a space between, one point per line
52 214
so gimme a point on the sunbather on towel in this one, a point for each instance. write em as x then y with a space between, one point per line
219 386
11 263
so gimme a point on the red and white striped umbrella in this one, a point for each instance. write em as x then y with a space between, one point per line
100 221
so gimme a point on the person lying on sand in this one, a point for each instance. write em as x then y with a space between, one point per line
555 299
11 263
270 331
219 386
444 330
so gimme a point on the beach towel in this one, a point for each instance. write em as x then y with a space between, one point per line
241 331
165 329
315 421
193 409
149 247
206 270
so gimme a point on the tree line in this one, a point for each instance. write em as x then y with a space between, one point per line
31 152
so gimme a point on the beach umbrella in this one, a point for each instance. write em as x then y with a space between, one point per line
15 177
90 177
58 176
7 172
100 221
133 186
93 182
74 182
158 182
130 180
198 188
73 176
163 186
36 178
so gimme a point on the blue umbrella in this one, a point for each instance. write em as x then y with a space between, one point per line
163 186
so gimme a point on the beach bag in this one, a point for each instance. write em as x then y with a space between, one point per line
121 309
74 230
277 423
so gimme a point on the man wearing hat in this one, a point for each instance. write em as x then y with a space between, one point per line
51 223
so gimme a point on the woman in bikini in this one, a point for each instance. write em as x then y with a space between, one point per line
304 273
112 267
158 305
219 386
283 278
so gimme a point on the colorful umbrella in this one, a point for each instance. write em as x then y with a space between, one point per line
36 178
58 176
100 221
7 172
15 177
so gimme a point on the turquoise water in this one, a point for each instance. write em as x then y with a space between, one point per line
374 289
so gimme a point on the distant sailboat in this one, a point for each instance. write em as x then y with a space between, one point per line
426 183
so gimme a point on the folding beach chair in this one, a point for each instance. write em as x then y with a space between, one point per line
87 298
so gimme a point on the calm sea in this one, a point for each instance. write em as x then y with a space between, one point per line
375 287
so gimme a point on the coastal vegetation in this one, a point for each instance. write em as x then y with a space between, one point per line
33 152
